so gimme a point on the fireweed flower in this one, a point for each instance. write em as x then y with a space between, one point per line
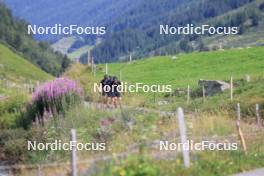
55 96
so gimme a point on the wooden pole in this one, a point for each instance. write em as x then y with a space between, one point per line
238 112
241 137
92 65
39 171
88 57
94 69
74 154
203 93
258 116
106 69
248 78
182 127
188 94
231 88
240 133
154 97
130 58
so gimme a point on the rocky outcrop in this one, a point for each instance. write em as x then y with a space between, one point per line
213 86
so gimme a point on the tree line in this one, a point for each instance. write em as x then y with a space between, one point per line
137 32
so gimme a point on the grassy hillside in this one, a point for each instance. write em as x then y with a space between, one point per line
15 68
189 68
185 70
13 32
15 72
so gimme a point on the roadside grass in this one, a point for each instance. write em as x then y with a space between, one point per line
206 163
132 130
215 163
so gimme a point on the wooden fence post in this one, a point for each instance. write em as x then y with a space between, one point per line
92 66
182 127
241 137
188 94
154 96
74 155
94 70
106 69
248 78
39 171
258 116
203 93
238 112
130 58
240 133
231 88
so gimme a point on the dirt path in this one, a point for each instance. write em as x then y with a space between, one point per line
104 107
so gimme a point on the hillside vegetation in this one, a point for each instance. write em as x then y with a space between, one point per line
183 70
15 68
13 33
130 129
138 31
186 69
133 27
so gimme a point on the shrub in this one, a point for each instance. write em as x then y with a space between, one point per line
13 144
133 166
8 120
10 110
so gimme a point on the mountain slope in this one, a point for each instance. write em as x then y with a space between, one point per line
139 33
15 68
13 33
133 26
67 12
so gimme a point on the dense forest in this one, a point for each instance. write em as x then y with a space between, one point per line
13 33
83 13
137 32
133 26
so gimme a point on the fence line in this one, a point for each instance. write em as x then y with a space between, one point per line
183 138
103 158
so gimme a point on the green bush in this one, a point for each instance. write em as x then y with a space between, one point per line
10 111
134 166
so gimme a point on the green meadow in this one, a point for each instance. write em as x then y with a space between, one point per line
187 69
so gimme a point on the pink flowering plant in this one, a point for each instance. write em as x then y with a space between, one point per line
55 97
